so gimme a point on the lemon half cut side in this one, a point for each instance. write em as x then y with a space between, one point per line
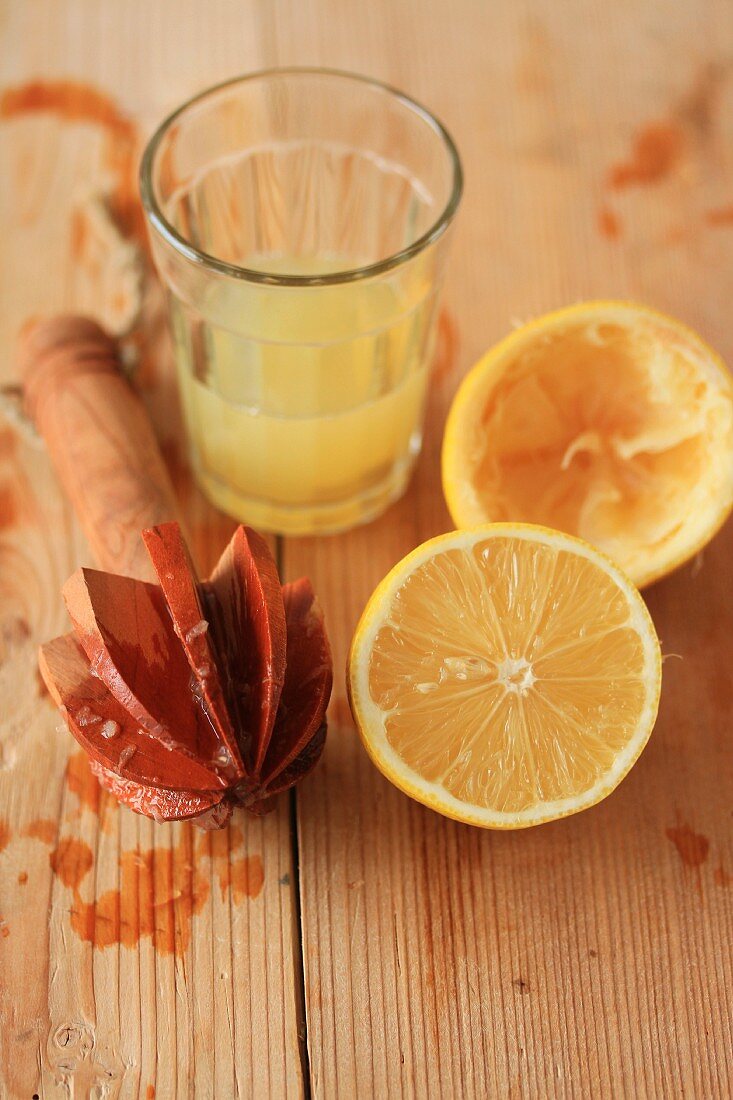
505 676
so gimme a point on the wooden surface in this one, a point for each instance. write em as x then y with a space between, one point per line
415 956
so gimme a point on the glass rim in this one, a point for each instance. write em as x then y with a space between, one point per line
166 230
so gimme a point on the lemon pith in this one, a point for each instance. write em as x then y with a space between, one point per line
607 420
452 684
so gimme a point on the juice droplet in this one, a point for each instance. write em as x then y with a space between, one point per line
85 716
196 631
126 756
109 729
465 668
196 689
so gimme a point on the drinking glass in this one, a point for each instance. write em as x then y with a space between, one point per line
299 220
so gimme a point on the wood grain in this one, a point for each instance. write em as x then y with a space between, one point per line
590 957
586 958
135 959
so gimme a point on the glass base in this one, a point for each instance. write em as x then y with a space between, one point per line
314 519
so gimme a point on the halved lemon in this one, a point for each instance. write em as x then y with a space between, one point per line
505 676
607 420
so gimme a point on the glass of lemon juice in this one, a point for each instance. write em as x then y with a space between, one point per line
298 220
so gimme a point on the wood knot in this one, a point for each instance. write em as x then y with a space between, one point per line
76 1038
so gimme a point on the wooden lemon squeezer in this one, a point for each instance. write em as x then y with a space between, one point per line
189 696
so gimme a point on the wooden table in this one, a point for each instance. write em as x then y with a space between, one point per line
354 943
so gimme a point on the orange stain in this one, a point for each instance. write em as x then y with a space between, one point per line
4 930
22 878
81 780
8 507
160 892
150 1092
74 101
219 842
8 444
119 302
71 861
160 889
692 847
247 877
43 829
236 836
609 224
446 347
722 215
4 834
721 876
79 234
656 151
244 876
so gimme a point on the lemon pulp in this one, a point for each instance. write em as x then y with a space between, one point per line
605 420
505 675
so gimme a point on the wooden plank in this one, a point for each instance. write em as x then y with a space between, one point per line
589 957
584 958
135 959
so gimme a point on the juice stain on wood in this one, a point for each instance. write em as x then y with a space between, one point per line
43 829
244 876
609 224
720 216
722 877
160 891
656 151
4 835
79 235
71 860
81 781
76 102
8 444
22 878
692 847
8 507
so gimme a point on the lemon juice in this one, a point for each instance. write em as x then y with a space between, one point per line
303 404
298 219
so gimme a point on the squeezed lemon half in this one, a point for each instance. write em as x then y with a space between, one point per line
607 420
